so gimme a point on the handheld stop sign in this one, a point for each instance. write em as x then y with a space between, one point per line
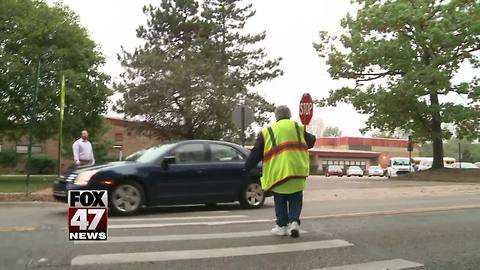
306 109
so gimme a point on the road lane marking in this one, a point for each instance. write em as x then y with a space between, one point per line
393 212
160 256
179 237
18 228
175 218
330 216
396 264
206 223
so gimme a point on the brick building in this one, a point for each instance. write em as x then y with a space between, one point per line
363 152
124 139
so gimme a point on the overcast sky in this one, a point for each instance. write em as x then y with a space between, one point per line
291 28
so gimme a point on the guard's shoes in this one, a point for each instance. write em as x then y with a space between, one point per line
282 231
294 229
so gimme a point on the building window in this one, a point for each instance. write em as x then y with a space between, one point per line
118 137
23 149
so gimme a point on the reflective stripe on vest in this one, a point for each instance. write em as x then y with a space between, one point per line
285 153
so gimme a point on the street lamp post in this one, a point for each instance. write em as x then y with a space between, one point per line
460 154
33 120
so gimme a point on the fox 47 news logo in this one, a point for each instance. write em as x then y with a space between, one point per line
87 214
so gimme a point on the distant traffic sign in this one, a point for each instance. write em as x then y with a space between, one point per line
306 109
242 117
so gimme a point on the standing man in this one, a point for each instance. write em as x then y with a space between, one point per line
283 148
83 151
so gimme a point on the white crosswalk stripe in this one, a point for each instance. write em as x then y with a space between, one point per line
124 233
179 237
209 223
205 253
119 220
396 264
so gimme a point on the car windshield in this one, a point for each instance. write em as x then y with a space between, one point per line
134 156
354 168
375 168
334 167
152 154
401 162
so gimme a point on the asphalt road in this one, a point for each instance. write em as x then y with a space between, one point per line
414 233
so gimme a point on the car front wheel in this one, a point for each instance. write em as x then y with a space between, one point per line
126 199
252 196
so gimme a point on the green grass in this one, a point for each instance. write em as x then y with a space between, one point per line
17 183
444 175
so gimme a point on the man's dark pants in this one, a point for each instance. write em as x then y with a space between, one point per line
288 207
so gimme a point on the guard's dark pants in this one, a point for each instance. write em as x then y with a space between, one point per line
288 207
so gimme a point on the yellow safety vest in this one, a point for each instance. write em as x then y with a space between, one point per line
285 154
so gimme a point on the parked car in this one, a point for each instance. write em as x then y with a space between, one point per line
375 171
334 170
399 165
464 165
355 171
477 164
426 164
187 172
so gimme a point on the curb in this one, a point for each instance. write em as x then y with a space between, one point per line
30 203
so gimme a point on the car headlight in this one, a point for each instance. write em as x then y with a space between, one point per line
83 178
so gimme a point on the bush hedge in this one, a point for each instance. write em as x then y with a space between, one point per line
42 164
8 159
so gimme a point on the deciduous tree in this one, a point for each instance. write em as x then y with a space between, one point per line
332 132
31 31
402 56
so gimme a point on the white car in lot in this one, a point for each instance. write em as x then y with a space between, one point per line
354 171
375 171
426 164
464 165
398 166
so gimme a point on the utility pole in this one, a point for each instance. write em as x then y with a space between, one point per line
460 154
60 133
33 120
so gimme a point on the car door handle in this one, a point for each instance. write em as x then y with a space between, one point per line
200 171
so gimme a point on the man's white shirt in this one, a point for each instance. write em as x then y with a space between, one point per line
82 150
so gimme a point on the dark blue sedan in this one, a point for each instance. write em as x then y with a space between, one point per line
187 172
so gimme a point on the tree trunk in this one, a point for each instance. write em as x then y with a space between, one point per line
437 135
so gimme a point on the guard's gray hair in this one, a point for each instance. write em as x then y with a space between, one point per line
282 112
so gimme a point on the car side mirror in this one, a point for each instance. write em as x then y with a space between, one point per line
167 161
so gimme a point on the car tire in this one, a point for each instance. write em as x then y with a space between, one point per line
252 196
126 199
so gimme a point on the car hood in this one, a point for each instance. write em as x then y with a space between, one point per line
103 166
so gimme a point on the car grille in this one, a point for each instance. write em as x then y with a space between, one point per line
69 178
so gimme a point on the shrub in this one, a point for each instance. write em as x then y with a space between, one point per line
8 159
42 164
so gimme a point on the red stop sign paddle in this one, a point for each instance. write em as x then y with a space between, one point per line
306 109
